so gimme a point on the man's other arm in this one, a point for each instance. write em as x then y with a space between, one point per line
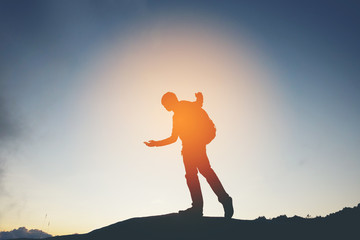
199 99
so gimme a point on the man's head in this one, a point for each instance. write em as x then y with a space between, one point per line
169 101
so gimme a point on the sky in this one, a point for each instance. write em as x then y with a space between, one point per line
80 90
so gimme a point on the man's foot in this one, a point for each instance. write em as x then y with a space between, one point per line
228 208
191 212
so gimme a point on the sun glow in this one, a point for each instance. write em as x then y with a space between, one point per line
184 59
125 109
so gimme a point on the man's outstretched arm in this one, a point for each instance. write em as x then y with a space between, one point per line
164 142
173 138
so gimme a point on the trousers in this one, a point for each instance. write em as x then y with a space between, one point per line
196 160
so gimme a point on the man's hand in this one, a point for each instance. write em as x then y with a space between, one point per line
151 143
199 98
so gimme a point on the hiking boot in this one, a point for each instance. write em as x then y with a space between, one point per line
191 212
228 207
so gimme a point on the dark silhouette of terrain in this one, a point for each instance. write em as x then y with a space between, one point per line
340 225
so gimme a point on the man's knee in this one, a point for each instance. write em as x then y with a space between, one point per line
191 176
207 171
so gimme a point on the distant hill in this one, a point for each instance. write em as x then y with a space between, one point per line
344 224
23 232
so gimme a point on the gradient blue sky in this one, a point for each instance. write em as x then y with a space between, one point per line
80 89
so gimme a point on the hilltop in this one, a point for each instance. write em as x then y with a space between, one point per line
340 225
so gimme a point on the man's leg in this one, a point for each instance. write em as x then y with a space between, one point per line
193 183
195 190
215 184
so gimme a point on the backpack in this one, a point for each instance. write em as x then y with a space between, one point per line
209 129
194 124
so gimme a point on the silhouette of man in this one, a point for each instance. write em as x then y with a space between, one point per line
188 124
